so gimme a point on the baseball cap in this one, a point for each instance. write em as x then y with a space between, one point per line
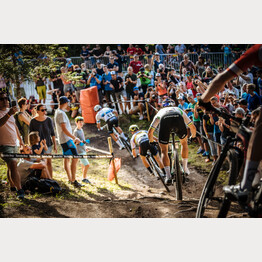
158 74
136 88
63 100
198 94
113 72
98 62
180 97
243 102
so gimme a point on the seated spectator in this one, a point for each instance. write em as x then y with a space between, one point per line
81 149
188 64
253 100
112 65
84 53
44 126
23 119
28 168
108 52
95 80
38 147
138 106
204 48
9 135
136 64
193 49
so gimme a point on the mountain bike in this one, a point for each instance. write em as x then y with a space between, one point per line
176 169
156 169
226 171
124 142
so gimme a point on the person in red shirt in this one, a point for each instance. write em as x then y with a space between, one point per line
131 50
190 84
139 51
136 64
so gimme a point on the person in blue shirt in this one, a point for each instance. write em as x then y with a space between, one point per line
112 65
259 81
95 80
253 100
109 88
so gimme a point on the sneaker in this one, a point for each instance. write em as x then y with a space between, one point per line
86 181
200 151
141 117
20 194
205 154
236 193
13 189
168 181
76 184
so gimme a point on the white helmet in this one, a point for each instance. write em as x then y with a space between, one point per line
97 108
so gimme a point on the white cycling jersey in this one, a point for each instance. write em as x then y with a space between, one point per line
162 112
139 137
104 114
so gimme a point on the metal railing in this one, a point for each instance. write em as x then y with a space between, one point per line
169 60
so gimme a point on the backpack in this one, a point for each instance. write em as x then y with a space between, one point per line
20 128
47 186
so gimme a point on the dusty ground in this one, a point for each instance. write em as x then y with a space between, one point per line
138 195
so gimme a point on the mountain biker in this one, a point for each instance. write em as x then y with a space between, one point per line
110 117
171 118
252 57
140 139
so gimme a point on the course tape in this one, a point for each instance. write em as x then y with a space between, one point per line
53 156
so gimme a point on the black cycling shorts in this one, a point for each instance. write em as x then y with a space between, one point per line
144 146
113 121
172 121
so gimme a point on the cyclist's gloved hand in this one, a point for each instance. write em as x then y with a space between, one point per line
153 143
207 105
192 139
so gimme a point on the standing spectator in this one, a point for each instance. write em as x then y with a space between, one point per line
136 64
80 83
41 88
44 126
236 51
81 150
131 50
188 64
180 50
120 51
130 83
183 104
155 62
112 65
145 77
193 49
259 81
95 80
227 55
160 88
244 78
96 54
66 139
253 100
117 83
9 134
200 67
99 68
118 59
3 85
23 119
170 49
190 84
159 49
68 88
109 89
57 82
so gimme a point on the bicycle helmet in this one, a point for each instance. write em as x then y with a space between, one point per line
166 102
133 128
97 108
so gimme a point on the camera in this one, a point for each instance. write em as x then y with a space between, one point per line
13 103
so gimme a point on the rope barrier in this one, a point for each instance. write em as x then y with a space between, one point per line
212 141
54 156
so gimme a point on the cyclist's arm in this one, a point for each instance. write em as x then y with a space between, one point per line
98 122
217 84
190 124
152 128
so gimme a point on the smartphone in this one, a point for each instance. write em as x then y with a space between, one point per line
13 103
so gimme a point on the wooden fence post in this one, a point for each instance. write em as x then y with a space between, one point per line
109 139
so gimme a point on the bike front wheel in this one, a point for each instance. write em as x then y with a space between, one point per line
178 176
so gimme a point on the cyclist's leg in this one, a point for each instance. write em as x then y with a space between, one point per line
165 159
254 155
184 154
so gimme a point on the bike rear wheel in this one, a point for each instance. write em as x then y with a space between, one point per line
213 202
178 176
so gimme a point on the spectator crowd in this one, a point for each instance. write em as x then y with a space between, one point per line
150 79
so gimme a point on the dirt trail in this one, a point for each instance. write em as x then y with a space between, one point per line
146 199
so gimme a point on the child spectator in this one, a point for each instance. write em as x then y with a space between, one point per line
37 146
81 150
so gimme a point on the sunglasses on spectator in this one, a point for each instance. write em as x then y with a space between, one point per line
3 98
43 110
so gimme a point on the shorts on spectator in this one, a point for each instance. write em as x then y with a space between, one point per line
49 150
8 150
69 148
84 161
41 91
129 95
119 94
